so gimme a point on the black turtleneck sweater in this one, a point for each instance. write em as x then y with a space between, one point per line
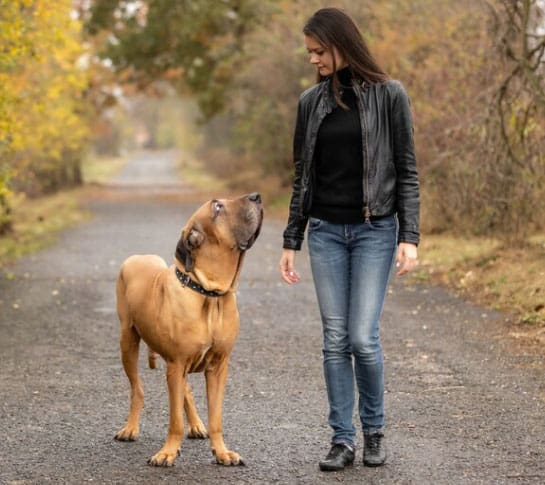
338 161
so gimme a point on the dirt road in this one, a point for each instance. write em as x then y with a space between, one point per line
463 405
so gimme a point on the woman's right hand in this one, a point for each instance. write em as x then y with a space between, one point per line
287 267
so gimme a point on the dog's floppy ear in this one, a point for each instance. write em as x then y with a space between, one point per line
187 244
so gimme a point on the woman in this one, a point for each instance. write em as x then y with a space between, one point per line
356 186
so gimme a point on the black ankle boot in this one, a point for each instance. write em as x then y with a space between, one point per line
339 456
374 451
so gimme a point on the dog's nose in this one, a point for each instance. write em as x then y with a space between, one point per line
255 197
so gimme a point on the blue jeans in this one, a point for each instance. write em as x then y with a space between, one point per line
351 265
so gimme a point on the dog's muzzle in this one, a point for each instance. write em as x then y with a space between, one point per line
254 216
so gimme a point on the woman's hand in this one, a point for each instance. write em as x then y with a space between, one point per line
287 267
407 258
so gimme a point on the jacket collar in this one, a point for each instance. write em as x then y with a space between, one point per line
327 100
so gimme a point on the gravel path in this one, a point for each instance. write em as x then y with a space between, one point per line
463 404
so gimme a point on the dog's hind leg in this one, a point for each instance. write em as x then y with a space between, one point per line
196 428
130 341
152 358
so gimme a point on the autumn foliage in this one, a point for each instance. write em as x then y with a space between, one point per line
42 78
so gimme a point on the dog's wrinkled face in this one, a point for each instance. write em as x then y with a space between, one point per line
220 228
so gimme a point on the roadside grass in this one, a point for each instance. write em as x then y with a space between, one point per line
99 170
507 279
194 174
37 221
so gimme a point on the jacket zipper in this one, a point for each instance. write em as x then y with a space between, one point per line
365 141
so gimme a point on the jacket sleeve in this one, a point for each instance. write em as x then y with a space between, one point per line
295 229
407 185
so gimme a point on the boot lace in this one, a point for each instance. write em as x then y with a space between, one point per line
373 442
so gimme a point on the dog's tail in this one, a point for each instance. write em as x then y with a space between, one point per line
152 359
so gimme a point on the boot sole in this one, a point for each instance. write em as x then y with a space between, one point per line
371 464
331 468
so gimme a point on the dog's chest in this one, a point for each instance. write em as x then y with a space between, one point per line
205 359
212 350
208 336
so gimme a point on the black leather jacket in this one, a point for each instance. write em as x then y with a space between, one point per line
390 178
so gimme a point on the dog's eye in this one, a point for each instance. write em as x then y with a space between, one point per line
218 207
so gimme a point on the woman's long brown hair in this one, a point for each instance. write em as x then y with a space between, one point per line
333 28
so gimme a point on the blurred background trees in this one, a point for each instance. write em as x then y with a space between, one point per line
192 44
144 69
42 127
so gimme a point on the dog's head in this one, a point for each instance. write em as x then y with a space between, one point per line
218 232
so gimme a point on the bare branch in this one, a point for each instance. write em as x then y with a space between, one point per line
540 45
504 134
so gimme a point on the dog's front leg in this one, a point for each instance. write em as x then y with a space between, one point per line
176 380
215 386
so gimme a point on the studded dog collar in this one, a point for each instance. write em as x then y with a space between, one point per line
185 280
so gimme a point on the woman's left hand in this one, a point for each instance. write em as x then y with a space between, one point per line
407 258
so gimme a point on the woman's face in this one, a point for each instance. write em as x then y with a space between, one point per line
322 58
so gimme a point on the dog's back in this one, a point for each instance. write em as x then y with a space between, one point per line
136 276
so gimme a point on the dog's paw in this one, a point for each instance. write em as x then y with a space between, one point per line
164 458
127 434
197 432
228 458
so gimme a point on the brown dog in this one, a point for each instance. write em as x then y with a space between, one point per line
188 314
